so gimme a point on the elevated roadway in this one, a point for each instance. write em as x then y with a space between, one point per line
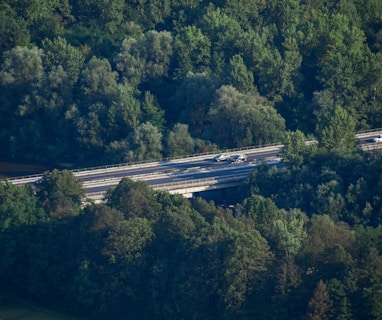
185 175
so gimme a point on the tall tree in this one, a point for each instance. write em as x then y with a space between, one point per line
239 76
13 29
190 108
152 112
340 304
294 147
60 193
133 199
223 31
248 119
245 266
98 81
191 51
289 233
146 142
145 58
59 52
18 206
179 141
342 64
319 304
339 134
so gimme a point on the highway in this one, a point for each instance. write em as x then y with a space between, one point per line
195 167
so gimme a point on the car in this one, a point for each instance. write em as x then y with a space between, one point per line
222 157
239 158
377 139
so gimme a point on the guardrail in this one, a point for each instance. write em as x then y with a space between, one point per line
371 146
181 185
149 163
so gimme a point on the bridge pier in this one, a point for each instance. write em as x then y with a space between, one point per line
224 196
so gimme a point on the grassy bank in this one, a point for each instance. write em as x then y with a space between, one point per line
12 309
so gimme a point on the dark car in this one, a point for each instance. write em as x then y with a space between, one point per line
239 158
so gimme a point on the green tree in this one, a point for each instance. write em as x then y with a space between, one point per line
22 77
44 18
157 50
357 198
98 90
319 304
263 211
339 302
60 193
179 141
146 142
367 285
223 31
342 64
13 29
127 239
107 14
248 119
191 51
289 233
18 206
326 249
247 12
239 76
98 82
129 63
190 108
328 198
133 199
145 58
59 52
22 68
125 113
294 147
339 134
152 111
246 264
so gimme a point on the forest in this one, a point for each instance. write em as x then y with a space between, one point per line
110 81
99 82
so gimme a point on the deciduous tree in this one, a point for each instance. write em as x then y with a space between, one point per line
60 193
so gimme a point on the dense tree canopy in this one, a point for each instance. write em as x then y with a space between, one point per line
307 237
98 82
70 64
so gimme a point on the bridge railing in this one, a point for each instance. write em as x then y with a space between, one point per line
147 163
182 184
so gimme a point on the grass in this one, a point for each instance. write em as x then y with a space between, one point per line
12 309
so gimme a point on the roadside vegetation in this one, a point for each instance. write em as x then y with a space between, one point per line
305 238
100 82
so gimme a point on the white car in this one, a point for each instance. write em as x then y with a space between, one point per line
222 157
377 139
239 158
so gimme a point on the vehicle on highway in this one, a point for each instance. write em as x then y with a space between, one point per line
377 139
239 158
222 157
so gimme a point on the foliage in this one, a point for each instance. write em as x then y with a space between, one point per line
339 133
149 254
60 193
248 119
294 148
95 82
72 62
